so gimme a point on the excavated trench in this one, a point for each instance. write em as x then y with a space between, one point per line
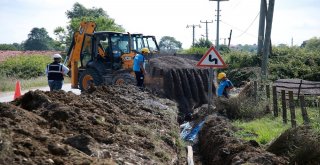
178 79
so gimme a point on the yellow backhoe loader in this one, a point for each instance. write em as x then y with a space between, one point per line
99 57
104 57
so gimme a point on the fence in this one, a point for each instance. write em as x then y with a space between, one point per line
288 89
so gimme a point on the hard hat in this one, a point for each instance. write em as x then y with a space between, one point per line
145 50
221 75
57 56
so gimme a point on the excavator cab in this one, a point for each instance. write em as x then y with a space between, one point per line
110 62
137 42
151 43
110 48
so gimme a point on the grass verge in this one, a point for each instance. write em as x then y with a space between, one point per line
265 129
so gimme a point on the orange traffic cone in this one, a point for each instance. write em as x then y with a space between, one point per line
17 92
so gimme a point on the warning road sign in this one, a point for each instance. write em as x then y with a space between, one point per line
212 59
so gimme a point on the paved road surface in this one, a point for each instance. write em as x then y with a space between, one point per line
8 96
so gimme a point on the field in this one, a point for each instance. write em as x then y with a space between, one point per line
6 54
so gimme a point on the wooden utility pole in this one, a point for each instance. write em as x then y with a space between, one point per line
229 38
267 40
206 22
262 20
193 32
211 71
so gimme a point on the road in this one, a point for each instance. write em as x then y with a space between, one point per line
8 96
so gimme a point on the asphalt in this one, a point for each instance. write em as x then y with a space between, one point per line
8 96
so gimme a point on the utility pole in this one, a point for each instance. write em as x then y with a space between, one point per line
229 38
262 20
206 22
267 41
193 31
210 98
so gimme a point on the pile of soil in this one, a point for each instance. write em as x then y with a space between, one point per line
182 81
300 144
218 146
118 124
172 62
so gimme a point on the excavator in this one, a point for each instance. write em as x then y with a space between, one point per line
103 57
148 41
151 43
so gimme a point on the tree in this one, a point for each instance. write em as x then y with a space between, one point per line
168 43
7 47
80 13
60 42
312 44
38 39
18 46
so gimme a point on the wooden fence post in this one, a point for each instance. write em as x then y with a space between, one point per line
292 110
284 106
255 84
268 91
268 98
275 101
304 110
261 87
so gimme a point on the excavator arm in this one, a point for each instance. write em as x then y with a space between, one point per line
79 42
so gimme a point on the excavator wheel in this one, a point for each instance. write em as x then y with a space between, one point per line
88 78
123 78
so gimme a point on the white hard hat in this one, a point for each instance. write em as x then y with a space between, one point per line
57 56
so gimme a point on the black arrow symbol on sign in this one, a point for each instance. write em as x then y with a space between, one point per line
215 60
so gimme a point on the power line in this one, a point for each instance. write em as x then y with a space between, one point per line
237 4
250 24
234 27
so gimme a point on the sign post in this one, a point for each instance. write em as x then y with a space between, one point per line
211 59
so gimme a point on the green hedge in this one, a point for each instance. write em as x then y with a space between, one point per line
284 62
294 62
24 67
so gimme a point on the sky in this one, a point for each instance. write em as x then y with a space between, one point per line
293 21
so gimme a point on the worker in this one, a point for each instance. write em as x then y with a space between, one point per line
225 85
55 72
138 66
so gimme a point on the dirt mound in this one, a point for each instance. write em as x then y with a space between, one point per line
173 62
218 146
112 124
300 144
180 80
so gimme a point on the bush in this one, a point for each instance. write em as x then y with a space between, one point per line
195 50
293 63
24 67
14 46
236 59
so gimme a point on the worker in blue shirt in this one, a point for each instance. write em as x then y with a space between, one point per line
225 85
138 66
